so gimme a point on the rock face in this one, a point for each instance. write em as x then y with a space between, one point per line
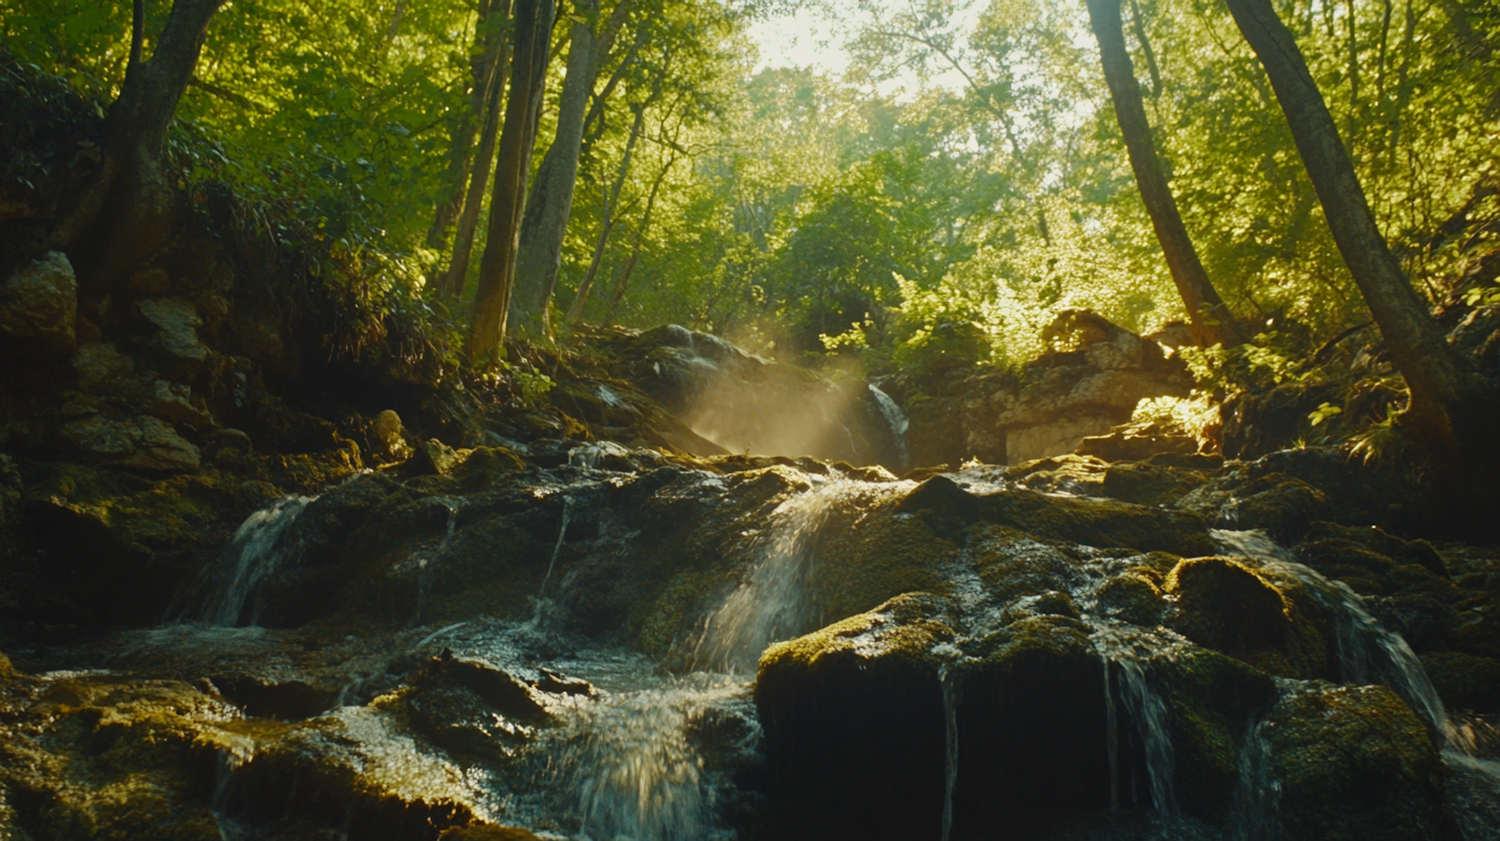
144 442
1089 383
39 305
745 404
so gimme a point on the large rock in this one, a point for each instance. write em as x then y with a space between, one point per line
1088 384
853 716
144 443
1354 762
176 341
39 304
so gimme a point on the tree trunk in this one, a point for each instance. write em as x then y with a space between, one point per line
498 265
545 223
127 213
484 58
640 236
1210 319
1452 407
452 284
607 223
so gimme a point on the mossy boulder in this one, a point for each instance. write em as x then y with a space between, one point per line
1283 506
1354 762
1133 596
1226 606
1031 729
1145 483
1100 522
854 724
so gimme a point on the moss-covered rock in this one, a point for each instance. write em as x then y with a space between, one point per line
1031 727
1223 605
1465 682
1099 522
1133 596
1149 484
853 716
1354 762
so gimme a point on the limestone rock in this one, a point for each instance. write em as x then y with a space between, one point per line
1132 442
177 321
39 304
144 442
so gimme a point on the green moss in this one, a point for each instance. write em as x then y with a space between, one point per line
1133 597
1354 762
1102 523
875 557
904 630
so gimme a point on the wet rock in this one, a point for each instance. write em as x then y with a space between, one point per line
1134 597
176 340
499 689
432 457
288 700
1223 605
1099 522
853 716
1283 506
1145 483
144 443
1030 722
1354 762
1050 603
1464 681
39 305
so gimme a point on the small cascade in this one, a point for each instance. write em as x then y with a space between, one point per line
1149 712
630 770
425 566
773 603
562 534
230 759
259 548
1368 652
951 699
1255 812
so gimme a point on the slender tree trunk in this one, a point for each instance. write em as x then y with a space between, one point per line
640 236
1210 319
498 265
550 204
127 213
1452 406
484 59
611 207
1138 25
452 285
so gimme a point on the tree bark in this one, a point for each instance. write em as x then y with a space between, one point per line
1210 319
545 223
607 223
484 59
1452 407
126 215
498 265
452 283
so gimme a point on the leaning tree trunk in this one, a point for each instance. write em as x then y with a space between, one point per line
1452 408
127 213
551 203
1210 319
533 28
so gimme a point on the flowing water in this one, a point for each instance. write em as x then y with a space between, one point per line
259 548
773 603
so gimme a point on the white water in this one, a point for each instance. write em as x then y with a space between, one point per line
773 602
895 419
259 548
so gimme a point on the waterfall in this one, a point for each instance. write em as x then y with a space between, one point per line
895 420
773 603
258 549
1254 814
1368 652
627 769
562 534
